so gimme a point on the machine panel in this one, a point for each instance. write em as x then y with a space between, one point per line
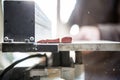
19 21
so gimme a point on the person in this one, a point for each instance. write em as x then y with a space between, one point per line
98 20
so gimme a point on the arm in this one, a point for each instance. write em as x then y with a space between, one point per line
109 32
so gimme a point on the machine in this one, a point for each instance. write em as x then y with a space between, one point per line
19 36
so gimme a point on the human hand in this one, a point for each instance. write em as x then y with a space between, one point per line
87 33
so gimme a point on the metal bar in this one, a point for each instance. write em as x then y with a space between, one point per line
28 47
56 47
89 47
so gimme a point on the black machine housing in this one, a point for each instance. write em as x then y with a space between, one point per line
19 21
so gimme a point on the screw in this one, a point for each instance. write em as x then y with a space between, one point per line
32 39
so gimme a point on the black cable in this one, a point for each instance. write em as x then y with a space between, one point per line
13 64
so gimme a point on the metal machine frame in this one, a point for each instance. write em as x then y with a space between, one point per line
17 40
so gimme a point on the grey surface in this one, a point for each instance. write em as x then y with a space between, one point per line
87 46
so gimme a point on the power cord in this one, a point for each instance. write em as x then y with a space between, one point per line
15 63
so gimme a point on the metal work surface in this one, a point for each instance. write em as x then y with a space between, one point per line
55 47
90 46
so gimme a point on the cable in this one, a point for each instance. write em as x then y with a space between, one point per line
13 64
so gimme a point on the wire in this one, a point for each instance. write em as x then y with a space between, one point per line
13 64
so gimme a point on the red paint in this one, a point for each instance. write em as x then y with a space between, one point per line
63 40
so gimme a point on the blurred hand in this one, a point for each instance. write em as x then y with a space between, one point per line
90 33
87 33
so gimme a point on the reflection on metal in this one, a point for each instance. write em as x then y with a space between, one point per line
43 25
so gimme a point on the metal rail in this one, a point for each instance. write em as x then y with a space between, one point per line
55 47
90 47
